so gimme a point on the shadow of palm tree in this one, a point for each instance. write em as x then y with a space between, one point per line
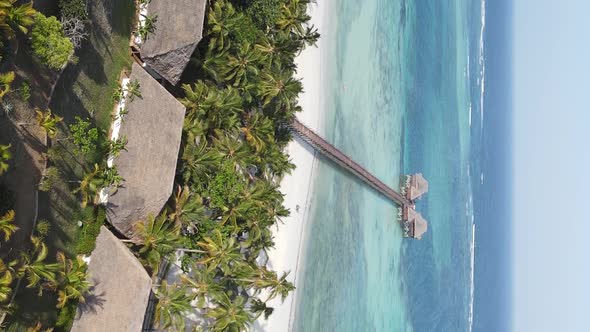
93 301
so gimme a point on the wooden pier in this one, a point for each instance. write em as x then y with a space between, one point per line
332 153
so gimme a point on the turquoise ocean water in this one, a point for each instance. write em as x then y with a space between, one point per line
404 84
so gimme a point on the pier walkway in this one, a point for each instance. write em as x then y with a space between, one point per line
332 153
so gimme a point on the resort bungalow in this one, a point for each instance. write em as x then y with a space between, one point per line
414 225
416 187
153 129
178 30
120 289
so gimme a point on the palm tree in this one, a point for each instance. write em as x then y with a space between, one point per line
220 252
188 208
174 302
275 162
311 36
194 96
269 51
280 85
230 315
258 308
222 19
133 90
13 18
214 62
258 131
195 130
278 286
5 82
199 160
147 27
34 268
236 211
22 17
157 237
231 149
293 17
72 281
6 278
240 68
47 121
90 185
7 225
5 156
202 283
216 108
278 50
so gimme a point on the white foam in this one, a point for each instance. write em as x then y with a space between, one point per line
470 109
472 286
482 60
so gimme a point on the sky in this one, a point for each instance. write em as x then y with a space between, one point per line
551 165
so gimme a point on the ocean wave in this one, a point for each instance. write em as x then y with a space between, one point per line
470 109
472 287
482 60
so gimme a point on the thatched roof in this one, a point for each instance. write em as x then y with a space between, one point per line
418 186
179 28
420 226
153 128
121 289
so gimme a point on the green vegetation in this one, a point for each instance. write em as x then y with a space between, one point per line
90 230
265 13
86 138
238 112
49 43
73 9
48 121
236 128
147 27
25 91
5 156
81 93
14 19
5 82
31 266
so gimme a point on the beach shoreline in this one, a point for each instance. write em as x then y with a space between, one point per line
298 186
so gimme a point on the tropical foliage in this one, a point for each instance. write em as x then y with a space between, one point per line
7 226
235 130
5 156
85 136
48 121
49 43
15 19
71 280
174 302
5 82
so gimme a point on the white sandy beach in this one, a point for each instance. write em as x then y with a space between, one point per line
297 186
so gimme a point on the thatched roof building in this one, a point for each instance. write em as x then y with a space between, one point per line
121 289
179 28
415 223
417 187
153 128
420 227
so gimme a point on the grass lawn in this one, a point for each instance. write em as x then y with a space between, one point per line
84 89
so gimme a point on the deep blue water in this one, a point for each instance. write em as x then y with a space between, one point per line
493 295
434 295
423 87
